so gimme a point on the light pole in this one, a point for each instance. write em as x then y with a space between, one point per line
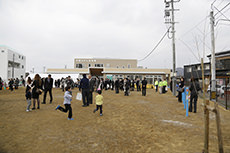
172 22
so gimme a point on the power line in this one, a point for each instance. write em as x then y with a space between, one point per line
194 26
156 45
222 13
222 8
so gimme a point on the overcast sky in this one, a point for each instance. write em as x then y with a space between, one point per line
52 33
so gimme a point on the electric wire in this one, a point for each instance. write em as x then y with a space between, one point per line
156 45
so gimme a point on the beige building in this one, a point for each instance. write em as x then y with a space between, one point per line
104 62
113 68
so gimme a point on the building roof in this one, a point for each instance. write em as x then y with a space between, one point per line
221 54
196 64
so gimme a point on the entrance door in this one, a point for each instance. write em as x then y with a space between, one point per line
96 71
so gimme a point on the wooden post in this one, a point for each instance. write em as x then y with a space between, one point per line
219 134
206 113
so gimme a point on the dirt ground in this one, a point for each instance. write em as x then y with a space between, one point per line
155 124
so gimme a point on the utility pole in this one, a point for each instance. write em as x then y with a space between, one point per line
213 59
172 22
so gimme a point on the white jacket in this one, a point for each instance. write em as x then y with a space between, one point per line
67 98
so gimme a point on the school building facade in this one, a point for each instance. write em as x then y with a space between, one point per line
13 64
113 69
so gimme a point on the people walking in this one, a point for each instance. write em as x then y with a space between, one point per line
99 102
48 86
67 103
144 86
36 90
194 88
84 86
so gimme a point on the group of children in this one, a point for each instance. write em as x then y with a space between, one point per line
67 101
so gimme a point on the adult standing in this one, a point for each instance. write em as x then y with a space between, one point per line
84 86
126 87
194 88
91 89
48 85
16 83
156 85
1 83
36 90
165 84
117 85
138 84
144 85
181 88
11 84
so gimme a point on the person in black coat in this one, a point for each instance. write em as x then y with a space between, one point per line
91 89
11 84
181 86
48 85
1 83
144 85
194 88
84 87
117 85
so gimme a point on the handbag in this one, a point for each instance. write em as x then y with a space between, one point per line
39 91
79 96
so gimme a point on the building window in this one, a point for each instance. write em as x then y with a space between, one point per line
19 56
79 66
206 67
117 66
198 67
189 69
107 65
123 66
3 51
129 66
98 65
22 57
22 66
89 65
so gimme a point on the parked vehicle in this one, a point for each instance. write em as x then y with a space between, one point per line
218 88
222 90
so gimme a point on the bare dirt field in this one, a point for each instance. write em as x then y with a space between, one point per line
155 124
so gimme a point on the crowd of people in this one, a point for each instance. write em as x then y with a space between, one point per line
12 83
88 85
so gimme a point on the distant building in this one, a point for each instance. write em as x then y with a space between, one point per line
114 68
179 72
12 65
222 69
104 62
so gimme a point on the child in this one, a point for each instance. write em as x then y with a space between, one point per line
99 102
67 103
28 97
28 94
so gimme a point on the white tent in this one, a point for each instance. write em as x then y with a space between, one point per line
54 76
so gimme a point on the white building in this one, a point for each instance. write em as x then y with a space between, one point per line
12 64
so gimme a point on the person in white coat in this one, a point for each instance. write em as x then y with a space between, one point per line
67 103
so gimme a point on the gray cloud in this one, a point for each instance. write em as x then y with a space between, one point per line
52 33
